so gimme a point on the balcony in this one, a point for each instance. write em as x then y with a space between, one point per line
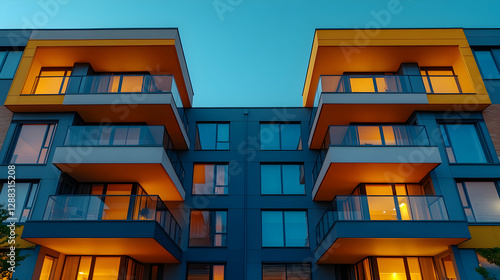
371 153
143 154
128 98
354 227
344 99
139 226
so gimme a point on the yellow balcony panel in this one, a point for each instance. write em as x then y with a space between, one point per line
483 236
357 154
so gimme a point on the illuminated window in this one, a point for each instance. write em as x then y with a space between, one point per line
481 201
97 267
47 268
440 80
284 229
488 65
208 228
212 136
463 143
25 196
396 268
205 272
282 179
52 81
280 136
210 179
32 143
448 268
286 271
9 60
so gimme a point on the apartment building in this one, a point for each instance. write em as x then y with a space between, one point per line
390 170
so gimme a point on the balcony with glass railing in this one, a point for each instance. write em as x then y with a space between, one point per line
361 98
356 226
143 154
355 154
101 224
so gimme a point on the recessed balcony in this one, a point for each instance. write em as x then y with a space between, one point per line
344 99
352 155
127 98
139 226
357 226
143 154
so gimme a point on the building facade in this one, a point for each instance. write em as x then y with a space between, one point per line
390 170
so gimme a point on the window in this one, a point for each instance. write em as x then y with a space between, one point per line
212 136
47 268
284 229
480 200
32 143
487 64
405 268
205 272
286 271
282 179
52 81
440 80
463 143
25 197
9 60
280 136
210 179
208 228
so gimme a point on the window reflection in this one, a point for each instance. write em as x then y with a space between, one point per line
208 228
282 179
463 143
212 136
32 143
284 229
280 136
210 179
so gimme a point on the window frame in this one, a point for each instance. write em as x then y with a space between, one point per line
214 179
496 60
426 69
15 138
301 165
216 134
461 185
213 232
284 227
286 268
29 194
279 135
442 125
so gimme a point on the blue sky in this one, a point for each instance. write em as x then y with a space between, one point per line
247 52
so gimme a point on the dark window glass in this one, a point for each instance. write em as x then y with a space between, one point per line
210 179
487 65
32 143
205 272
463 143
25 196
208 228
212 136
275 136
286 271
284 229
282 179
10 61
